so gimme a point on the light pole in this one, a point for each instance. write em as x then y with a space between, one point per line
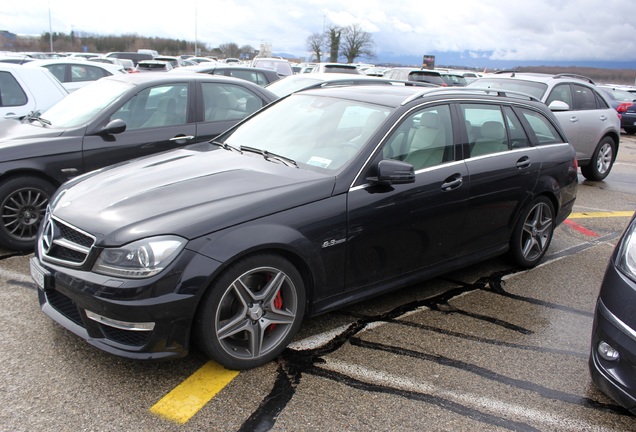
50 29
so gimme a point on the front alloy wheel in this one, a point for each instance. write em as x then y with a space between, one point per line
533 233
23 202
252 312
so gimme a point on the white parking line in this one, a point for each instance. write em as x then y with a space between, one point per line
493 406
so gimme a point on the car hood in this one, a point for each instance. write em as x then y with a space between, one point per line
16 132
188 192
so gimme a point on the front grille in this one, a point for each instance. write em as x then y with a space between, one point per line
64 244
65 306
126 337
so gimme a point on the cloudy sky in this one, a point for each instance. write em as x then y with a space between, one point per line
562 30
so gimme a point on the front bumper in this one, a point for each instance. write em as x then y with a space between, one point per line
616 378
165 304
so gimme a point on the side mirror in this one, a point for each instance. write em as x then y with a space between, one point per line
558 105
114 127
393 172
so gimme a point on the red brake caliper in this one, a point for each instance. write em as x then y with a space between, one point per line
278 304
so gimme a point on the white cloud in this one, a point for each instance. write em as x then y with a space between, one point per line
529 30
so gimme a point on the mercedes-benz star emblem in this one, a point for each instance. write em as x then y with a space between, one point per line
48 236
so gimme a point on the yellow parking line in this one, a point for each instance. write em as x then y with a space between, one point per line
586 215
185 400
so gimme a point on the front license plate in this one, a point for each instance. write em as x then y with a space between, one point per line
37 273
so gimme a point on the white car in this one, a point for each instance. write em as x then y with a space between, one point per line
25 89
74 74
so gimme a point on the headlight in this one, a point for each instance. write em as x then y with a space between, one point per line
140 259
626 257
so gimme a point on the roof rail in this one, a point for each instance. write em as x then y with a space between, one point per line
463 90
571 75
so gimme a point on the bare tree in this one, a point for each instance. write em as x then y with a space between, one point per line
356 43
334 33
230 50
247 51
315 43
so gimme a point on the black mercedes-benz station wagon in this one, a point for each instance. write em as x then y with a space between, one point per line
324 197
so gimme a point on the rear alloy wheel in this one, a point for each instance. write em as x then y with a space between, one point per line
533 233
601 162
23 202
252 312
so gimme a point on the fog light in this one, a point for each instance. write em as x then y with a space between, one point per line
607 352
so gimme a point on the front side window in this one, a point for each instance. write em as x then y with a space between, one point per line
560 93
424 139
158 106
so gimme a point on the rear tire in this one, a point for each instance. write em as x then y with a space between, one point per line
23 202
533 233
602 160
251 312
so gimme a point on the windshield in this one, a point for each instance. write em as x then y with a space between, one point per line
291 84
532 88
319 133
85 103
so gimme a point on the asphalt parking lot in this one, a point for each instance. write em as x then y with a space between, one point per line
487 348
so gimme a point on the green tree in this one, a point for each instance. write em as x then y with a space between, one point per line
334 34
356 43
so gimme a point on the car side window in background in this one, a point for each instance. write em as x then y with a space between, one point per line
543 130
11 94
164 105
561 93
254 77
584 97
86 73
424 139
488 128
228 102
58 71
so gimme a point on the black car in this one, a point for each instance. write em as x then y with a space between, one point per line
324 197
613 348
259 76
111 120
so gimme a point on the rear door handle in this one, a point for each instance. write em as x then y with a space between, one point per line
452 182
182 137
524 162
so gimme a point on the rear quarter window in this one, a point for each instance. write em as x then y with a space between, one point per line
541 127
11 93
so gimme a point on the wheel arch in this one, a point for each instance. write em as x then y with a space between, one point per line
241 243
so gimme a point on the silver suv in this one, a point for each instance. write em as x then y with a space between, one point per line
590 123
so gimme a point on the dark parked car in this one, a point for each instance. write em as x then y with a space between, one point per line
411 74
259 76
294 83
108 121
623 102
324 197
613 347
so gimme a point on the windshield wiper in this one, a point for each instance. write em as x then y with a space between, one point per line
226 146
271 156
35 115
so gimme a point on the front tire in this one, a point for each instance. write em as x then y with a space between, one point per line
601 162
533 233
251 312
23 202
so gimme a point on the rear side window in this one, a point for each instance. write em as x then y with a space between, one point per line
543 130
11 94
426 77
86 73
